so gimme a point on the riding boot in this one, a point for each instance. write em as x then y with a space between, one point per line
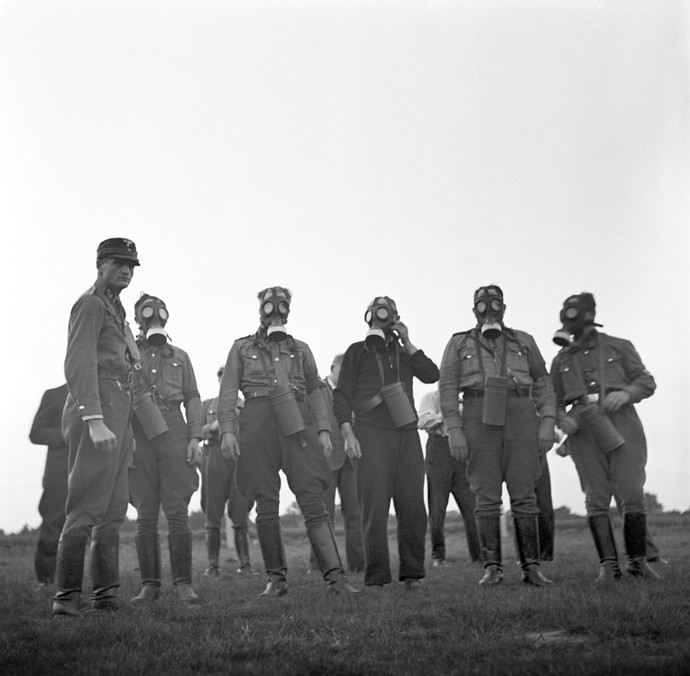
149 556
105 572
635 535
212 551
271 543
69 575
180 545
489 531
527 539
322 538
602 533
241 536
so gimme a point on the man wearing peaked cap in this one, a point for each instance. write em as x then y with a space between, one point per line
96 424
119 248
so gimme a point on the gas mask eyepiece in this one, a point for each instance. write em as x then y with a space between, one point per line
274 314
152 317
488 309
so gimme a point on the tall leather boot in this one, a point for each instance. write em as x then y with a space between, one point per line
69 575
180 545
527 538
241 536
602 533
489 531
212 551
105 572
322 538
635 535
149 556
271 543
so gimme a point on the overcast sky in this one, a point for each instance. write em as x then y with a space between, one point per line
346 150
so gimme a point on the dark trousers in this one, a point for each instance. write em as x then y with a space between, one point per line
265 451
545 520
503 453
446 476
161 476
52 510
218 489
345 481
391 467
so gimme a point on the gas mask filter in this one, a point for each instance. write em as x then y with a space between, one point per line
153 316
274 314
380 316
488 309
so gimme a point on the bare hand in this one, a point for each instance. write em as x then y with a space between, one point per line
546 435
569 425
352 447
615 401
229 447
458 444
325 443
103 439
194 454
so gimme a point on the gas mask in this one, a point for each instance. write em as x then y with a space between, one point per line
489 309
274 310
577 314
381 314
152 316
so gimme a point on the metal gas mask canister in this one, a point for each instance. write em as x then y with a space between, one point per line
152 316
489 309
275 308
380 316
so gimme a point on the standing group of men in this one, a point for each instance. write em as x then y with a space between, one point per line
491 421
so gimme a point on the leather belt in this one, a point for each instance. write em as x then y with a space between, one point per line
470 392
266 392
256 393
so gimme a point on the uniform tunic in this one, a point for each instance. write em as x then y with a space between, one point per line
98 363
498 453
392 463
254 366
623 469
161 475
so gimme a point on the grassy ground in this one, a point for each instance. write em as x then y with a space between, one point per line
449 626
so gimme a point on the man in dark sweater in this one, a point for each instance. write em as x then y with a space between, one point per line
375 385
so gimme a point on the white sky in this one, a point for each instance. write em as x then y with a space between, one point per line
347 149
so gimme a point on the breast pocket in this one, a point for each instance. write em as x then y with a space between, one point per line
518 364
615 373
469 361
251 364
173 375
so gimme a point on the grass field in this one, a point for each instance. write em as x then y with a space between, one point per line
449 626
